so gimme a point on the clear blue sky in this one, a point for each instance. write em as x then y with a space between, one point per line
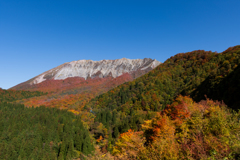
37 35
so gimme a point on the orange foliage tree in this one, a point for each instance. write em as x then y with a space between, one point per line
185 130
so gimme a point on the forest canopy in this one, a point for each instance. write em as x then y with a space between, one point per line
186 108
41 133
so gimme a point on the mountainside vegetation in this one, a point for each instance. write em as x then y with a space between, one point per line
198 74
83 79
72 93
186 108
41 133
223 82
14 95
184 130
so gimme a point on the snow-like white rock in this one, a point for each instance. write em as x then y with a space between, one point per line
39 79
103 68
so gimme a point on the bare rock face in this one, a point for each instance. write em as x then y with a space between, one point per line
91 69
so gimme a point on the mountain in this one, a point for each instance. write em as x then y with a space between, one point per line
164 114
196 75
88 69
71 85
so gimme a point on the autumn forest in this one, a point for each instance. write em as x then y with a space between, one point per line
186 108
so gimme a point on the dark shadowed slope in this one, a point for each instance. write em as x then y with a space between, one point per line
182 74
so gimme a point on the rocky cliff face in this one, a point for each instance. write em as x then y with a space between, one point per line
91 69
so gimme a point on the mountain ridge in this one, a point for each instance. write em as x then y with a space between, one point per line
163 111
91 69
105 75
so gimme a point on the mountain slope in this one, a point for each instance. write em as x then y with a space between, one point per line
223 83
73 84
88 69
41 133
14 95
181 74
194 74
164 124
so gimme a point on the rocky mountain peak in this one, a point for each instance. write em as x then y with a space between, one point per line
92 69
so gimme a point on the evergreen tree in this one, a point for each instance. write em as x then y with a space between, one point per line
87 146
103 117
47 147
53 155
26 133
108 116
116 132
61 156
114 117
78 142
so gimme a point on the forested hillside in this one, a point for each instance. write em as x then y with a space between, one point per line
13 95
184 130
197 74
73 92
186 108
83 80
41 133
223 83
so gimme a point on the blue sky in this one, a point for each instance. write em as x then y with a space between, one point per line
36 36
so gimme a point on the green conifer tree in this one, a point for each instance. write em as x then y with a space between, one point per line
116 132
78 142
114 117
87 146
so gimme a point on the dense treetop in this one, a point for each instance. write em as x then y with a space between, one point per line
13 95
154 116
185 130
196 73
41 133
